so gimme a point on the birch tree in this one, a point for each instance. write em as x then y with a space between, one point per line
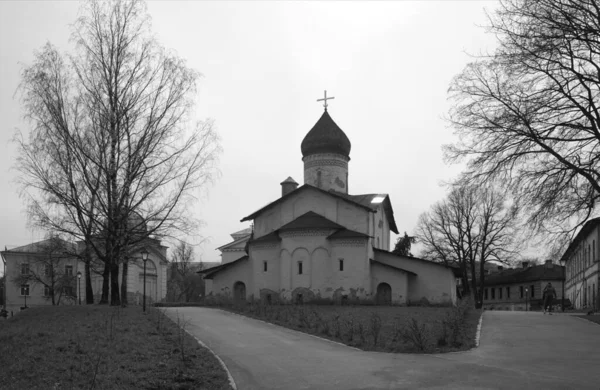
114 154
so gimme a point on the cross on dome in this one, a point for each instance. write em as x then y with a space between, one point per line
324 100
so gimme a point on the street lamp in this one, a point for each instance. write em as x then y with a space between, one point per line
526 299
563 264
79 286
145 258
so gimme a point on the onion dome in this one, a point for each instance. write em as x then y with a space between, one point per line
325 137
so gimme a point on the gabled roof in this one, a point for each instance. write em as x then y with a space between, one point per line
412 258
241 233
347 233
210 272
233 243
367 201
311 220
306 187
392 266
273 236
44 245
583 233
529 274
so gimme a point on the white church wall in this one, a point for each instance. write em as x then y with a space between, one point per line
322 271
433 282
397 280
285 257
229 256
239 272
353 280
269 279
353 217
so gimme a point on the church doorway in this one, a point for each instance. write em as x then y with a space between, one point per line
384 294
239 292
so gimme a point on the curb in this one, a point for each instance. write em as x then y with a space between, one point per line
478 334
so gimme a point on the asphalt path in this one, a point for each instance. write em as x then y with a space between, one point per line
518 350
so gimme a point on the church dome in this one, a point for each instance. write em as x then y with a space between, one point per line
325 137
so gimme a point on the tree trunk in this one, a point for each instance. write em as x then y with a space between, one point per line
89 291
105 275
476 293
124 284
114 283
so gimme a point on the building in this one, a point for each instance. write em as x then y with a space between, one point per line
317 241
522 288
37 271
582 262
236 248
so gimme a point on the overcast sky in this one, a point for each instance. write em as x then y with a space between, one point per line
264 64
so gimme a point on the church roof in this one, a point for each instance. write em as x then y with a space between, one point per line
412 258
210 272
366 200
241 233
373 261
347 233
304 188
273 236
289 180
45 246
325 137
311 220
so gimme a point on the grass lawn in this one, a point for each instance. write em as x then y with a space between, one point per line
594 318
378 328
85 347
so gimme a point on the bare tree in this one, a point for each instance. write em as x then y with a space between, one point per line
51 268
114 156
184 283
528 115
469 228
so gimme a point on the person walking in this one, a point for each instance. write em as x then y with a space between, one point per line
548 297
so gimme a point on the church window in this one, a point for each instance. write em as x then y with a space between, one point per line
264 266
341 264
493 293
521 291
299 268
499 292
532 291
69 270
507 292
377 242
485 294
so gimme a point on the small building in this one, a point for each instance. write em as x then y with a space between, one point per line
40 272
582 262
522 288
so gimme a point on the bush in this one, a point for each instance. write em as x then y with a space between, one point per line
417 334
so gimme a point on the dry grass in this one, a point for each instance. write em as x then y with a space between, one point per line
98 347
378 328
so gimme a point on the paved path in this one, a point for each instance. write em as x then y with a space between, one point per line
518 350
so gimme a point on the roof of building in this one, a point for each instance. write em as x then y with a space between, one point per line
234 242
347 233
367 201
44 246
583 233
296 191
210 272
414 258
289 180
311 220
273 236
392 266
325 137
529 274
241 233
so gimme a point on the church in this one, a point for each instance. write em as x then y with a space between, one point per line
317 241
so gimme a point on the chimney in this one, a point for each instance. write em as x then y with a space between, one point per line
549 263
525 264
288 185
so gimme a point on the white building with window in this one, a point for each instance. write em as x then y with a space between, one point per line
40 273
319 241
582 262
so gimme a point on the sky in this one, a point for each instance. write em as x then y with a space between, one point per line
264 65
